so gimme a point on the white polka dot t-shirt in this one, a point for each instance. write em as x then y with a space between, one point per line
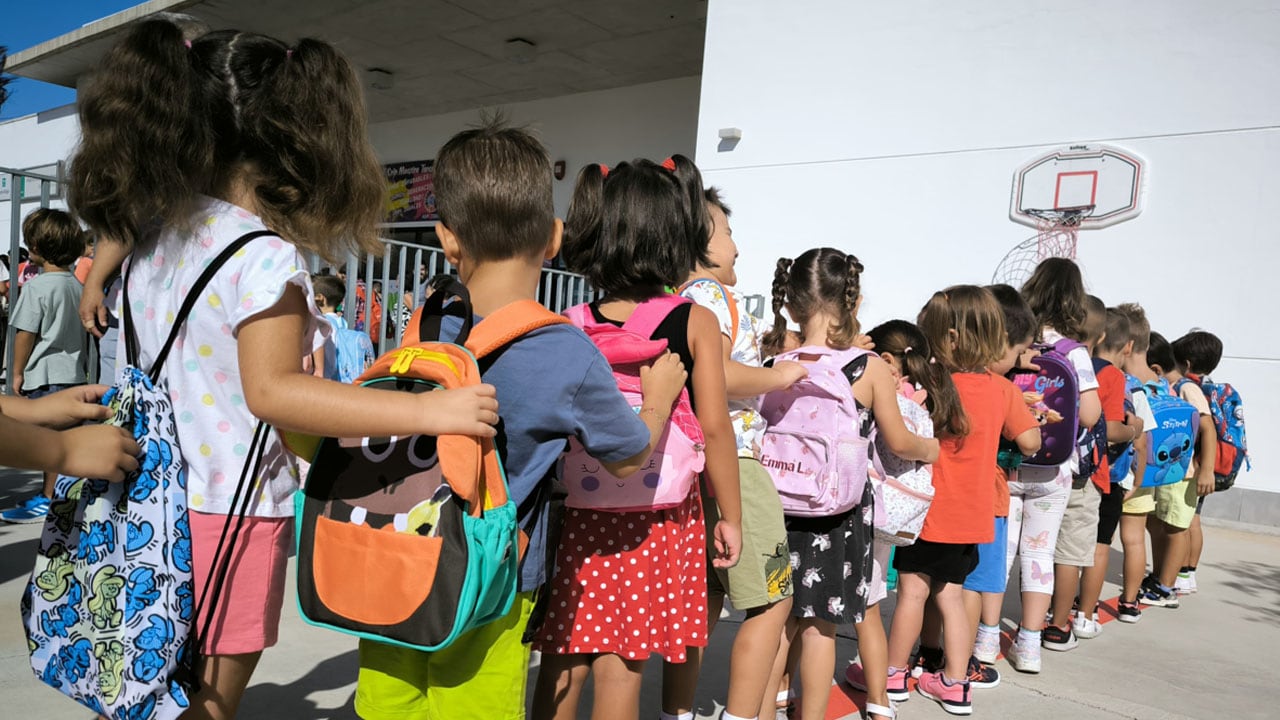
215 427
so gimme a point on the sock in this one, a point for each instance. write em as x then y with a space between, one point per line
895 670
946 680
1028 638
783 696
681 716
727 716
984 629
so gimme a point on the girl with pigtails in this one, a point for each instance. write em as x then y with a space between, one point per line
194 144
831 557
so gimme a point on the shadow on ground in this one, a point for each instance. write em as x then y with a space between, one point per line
1261 584
270 701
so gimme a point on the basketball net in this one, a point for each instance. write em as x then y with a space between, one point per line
1056 239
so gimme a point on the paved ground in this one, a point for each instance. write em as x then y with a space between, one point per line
1208 659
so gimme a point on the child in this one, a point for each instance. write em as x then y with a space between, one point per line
629 584
821 291
1077 536
760 584
1038 495
907 353
1176 503
966 332
985 586
493 186
97 451
1122 430
346 353
1139 502
1198 353
49 352
251 134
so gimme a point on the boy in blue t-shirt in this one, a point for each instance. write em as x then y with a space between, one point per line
497 225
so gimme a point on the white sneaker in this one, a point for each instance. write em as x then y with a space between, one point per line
1024 659
987 647
1087 628
1192 576
1183 585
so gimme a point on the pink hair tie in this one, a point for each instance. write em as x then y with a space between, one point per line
187 43
288 53
669 164
604 170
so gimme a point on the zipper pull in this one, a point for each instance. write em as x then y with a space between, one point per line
404 360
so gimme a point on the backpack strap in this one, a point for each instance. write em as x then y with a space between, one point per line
728 299
509 323
130 333
428 320
648 315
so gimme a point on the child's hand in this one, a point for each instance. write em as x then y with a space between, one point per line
1128 495
106 452
1204 482
728 540
662 381
462 411
16 380
791 372
71 407
93 309
864 342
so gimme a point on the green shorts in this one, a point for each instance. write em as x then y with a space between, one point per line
481 675
1176 503
763 573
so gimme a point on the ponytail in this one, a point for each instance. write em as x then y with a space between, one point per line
844 332
776 338
583 220
686 172
908 343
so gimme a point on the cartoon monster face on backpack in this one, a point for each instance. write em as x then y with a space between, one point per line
1173 457
388 483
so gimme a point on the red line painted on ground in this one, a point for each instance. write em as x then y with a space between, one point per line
846 701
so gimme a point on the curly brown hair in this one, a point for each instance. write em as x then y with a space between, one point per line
821 279
289 122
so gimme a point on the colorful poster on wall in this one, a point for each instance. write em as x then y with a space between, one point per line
411 193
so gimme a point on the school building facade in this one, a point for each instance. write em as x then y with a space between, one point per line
890 130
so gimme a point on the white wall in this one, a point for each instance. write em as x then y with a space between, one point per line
32 141
892 130
654 120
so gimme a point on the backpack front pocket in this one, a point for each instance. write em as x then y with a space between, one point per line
374 577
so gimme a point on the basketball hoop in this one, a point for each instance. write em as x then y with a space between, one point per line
1056 238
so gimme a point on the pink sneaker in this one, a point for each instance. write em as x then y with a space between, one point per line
898 691
953 698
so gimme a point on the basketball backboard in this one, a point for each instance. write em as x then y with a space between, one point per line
1108 178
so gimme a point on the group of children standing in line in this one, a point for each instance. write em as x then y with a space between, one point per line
256 134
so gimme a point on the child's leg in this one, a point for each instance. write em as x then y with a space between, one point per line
908 617
958 638
223 681
779 678
1134 539
1041 519
680 680
931 628
617 687
1075 549
817 665
559 686
1177 545
973 606
1159 543
992 607
1092 579
873 653
752 659
1066 582
1196 535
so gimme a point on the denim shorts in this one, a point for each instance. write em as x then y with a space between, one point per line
46 390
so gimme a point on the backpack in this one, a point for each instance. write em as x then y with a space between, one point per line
904 488
1092 445
672 471
1227 408
110 607
413 541
1120 455
1171 442
1058 383
812 447
353 351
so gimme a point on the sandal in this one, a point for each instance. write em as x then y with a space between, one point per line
885 712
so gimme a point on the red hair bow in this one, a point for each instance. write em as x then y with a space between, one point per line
604 170
669 164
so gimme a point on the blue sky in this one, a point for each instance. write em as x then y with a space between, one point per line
24 24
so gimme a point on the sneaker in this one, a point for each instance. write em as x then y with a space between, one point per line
926 660
987 647
1086 628
1158 596
1192 581
1024 659
981 676
1129 612
953 698
1059 639
856 678
31 510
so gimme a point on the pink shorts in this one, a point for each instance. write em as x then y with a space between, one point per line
247 613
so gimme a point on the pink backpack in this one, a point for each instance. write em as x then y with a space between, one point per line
666 480
812 447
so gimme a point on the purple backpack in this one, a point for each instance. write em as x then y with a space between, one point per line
666 480
1058 383
812 448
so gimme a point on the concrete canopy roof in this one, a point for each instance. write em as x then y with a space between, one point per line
444 55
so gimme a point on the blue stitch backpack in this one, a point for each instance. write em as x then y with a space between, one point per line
353 351
109 609
1172 440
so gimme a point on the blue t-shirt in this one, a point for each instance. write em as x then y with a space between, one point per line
553 384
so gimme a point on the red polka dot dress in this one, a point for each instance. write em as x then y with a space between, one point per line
631 584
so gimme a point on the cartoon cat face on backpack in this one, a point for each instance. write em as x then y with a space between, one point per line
393 482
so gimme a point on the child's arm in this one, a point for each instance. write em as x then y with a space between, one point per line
1206 455
97 451
884 405
270 346
1028 442
317 363
1139 464
1090 408
745 381
721 445
108 256
24 342
61 409
661 384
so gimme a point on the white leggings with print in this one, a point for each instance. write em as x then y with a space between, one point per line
1037 500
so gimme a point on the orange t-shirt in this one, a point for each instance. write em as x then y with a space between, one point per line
964 493
1111 395
1002 492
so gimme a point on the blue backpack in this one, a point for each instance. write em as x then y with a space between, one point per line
352 349
1227 409
111 602
1171 442
1120 455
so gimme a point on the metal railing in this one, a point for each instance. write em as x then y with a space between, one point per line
17 197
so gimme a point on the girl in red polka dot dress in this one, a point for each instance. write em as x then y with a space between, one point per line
631 584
